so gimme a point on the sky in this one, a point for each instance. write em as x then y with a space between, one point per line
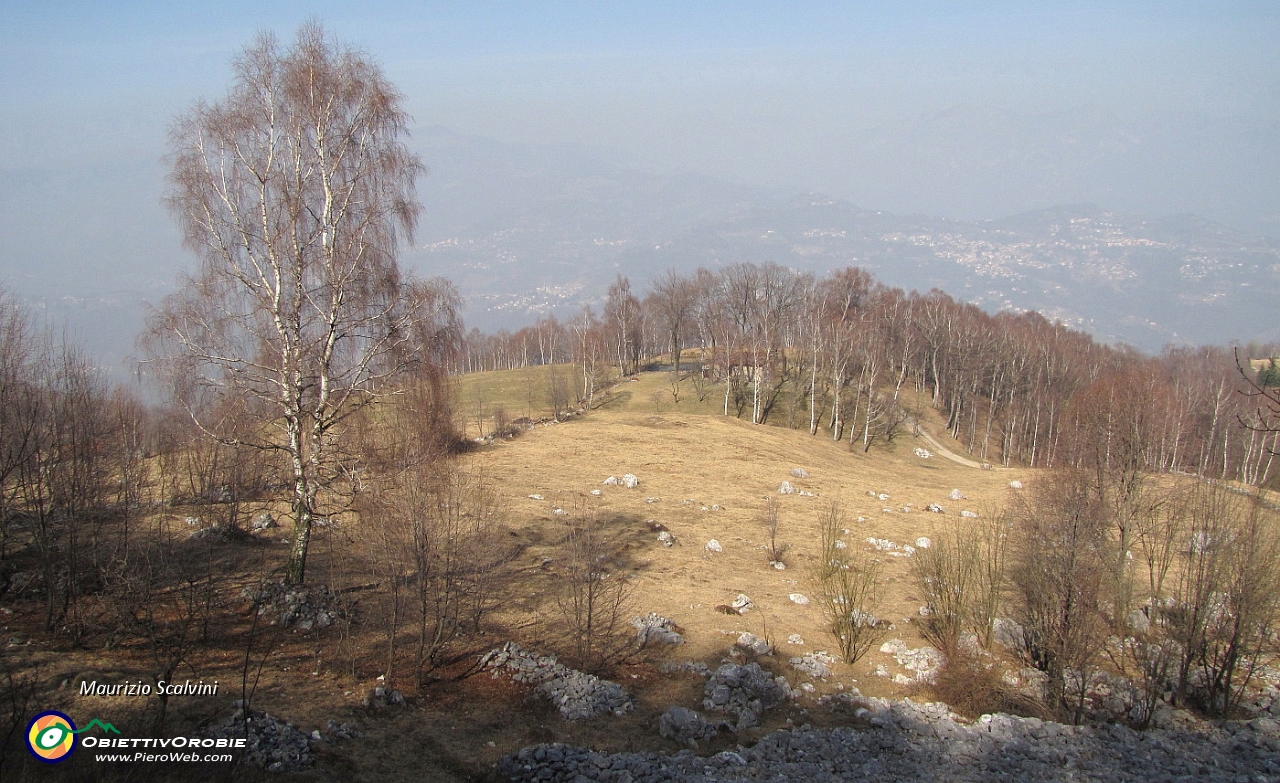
969 110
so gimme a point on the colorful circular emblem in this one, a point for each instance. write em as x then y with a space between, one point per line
50 736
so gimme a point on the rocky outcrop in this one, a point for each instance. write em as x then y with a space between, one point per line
926 743
576 695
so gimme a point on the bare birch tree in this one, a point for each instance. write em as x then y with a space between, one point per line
295 191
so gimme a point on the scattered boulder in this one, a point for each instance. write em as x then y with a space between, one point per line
1006 633
969 514
888 547
923 453
924 661
630 481
656 629
934 508
713 546
745 691
742 603
956 495
381 696
221 533
1015 485
693 667
814 664
910 741
263 521
786 489
799 473
1139 621
795 639
923 542
666 539
684 725
750 643
799 598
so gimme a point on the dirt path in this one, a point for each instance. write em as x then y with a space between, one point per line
943 451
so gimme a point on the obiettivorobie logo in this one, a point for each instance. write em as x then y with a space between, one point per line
51 736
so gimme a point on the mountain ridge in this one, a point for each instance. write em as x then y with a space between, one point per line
555 244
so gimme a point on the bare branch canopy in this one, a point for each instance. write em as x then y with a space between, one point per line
296 192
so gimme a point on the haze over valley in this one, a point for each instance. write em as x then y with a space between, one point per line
584 142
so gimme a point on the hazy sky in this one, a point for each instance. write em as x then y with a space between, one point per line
959 109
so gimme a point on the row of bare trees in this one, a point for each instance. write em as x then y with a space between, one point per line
71 451
835 353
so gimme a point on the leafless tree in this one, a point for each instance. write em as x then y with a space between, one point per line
165 594
590 351
848 583
1226 604
623 315
672 300
295 192
439 544
596 595
1058 573
946 571
20 400
769 518
1266 396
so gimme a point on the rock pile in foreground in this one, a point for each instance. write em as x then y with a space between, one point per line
302 608
744 691
272 744
914 742
576 695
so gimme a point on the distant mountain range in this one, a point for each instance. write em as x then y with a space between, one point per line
528 230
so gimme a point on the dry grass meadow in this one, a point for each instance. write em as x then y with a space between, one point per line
708 477
703 476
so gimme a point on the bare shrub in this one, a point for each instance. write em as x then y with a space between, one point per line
558 391
1226 603
595 597
1149 653
769 518
947 572
962 576
991 534
1058 573
973 687
848 581
444 556
1155 658
166 594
